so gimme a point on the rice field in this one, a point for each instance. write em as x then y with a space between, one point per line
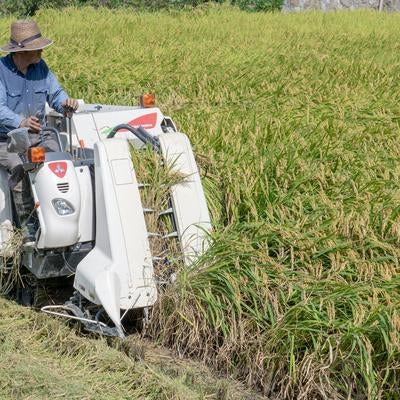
295 121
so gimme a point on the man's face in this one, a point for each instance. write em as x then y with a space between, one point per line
31 57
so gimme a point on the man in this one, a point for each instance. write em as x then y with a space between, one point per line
26 84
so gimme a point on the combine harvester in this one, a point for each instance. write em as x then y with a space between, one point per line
90 217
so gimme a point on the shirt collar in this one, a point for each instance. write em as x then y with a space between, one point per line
13 67
10 63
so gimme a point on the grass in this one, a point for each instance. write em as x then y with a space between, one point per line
295 118
10 256
42 358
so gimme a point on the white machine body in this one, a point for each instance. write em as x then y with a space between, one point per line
93 122
87 206
116 272
55 185
191 214
6 225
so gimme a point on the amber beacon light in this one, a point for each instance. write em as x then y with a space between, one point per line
147 100
36 155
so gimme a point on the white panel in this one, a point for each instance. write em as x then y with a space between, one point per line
122 172
96 125
94 122
56 230
121 258
188 200
86 231
6 227
84 128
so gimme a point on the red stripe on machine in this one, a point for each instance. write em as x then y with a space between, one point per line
148 121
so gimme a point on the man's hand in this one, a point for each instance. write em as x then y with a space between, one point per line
32 123
70 106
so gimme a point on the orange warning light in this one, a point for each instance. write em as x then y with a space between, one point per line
36 155
147 100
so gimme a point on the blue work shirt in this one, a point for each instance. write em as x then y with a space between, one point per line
23 96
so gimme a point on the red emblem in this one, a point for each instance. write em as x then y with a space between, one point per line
59 168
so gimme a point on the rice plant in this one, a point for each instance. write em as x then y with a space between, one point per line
10 259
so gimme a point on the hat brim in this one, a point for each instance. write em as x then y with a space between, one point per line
37 44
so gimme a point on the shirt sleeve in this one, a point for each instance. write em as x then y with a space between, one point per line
56 95
7 117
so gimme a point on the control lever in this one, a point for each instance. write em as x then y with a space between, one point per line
68 112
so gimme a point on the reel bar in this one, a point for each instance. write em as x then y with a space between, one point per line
90 324
166 212
47 310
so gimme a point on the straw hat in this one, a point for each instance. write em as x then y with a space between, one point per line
25 36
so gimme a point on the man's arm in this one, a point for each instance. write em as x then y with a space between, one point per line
11 120
7 117
57 96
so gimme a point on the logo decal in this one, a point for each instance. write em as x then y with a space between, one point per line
148 121
59 168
